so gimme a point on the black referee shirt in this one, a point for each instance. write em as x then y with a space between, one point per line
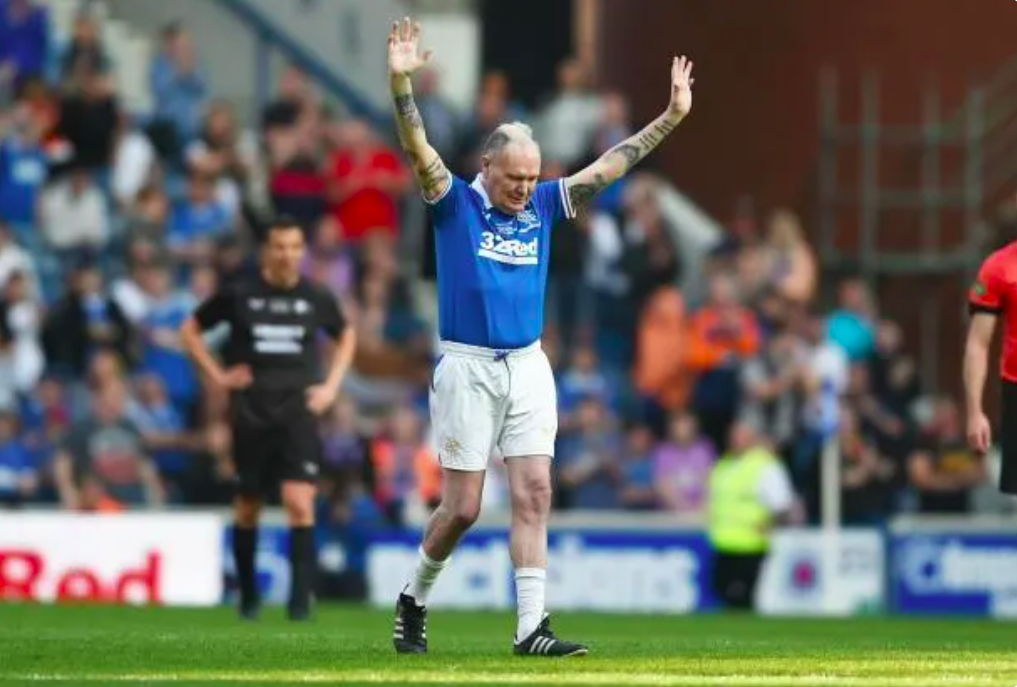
273 329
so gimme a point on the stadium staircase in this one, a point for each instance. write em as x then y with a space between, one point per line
130 48
242 44
274 35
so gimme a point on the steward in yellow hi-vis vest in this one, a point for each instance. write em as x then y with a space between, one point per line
749 492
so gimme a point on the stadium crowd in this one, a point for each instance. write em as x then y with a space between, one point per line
113 225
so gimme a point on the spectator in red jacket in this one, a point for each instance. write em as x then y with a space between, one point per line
366 180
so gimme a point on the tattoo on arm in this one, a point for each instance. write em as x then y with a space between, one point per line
430 175
631 153
406 110
580 194
433 175
616 162
664 128
646 140
427 165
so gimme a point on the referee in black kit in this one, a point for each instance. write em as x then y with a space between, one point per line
271 367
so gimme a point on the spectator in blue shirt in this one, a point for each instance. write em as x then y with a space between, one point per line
164 432
47 400
18 478
24 42
637 491
587 462
198 221
179 85
45 417
162 354
22 174
583 379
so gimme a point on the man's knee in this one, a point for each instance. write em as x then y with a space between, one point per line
464 512
298 501
299 511
531 499
462 493
246 511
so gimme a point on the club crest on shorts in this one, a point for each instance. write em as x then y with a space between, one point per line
451 447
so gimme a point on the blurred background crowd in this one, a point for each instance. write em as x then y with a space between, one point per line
113 227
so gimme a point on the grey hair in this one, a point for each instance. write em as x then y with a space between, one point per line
506 134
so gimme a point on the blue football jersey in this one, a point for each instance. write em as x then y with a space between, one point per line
492 266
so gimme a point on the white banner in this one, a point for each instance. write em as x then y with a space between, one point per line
812 572
170 559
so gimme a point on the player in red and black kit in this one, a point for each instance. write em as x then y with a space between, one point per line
992 298
271 367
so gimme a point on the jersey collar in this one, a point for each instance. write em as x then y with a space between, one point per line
478 186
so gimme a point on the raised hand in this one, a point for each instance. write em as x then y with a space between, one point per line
681 87
404 55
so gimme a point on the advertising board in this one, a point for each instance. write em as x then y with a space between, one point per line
811 572
623 571
168 559
954 572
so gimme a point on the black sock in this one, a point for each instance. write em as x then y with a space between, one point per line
301 566
244 543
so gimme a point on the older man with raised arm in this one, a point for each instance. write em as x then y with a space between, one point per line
493 386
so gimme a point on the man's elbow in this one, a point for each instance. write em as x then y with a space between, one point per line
610 169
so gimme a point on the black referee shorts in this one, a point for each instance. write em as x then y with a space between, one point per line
275 439
1008 440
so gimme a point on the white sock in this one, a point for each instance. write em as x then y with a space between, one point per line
529 600
424 577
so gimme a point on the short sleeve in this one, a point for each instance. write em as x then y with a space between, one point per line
775 490
552 201
987 294
216 309
330 316
446 206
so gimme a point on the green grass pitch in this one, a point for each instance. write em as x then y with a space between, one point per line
92 646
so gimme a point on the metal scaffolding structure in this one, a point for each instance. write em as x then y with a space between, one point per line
986 122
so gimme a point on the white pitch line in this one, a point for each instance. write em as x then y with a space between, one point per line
593 679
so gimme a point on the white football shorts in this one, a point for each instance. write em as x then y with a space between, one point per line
483 399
